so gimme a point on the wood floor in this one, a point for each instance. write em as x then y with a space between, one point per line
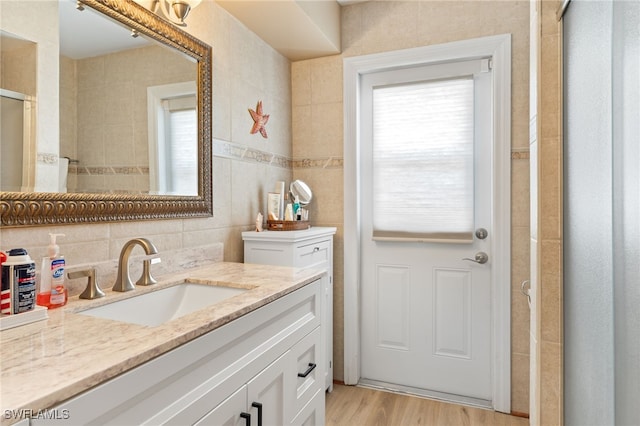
356 406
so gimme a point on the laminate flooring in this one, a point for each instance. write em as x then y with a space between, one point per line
357 406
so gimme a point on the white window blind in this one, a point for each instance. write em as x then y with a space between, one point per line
423 161
182 147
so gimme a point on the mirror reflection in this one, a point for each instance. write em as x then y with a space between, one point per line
108 149
128 109
128 113
17 106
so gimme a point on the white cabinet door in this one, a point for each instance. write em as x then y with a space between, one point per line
271 393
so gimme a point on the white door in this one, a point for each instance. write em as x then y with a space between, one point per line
426 189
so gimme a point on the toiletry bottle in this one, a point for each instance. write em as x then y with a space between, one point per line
288 213
296 207
52 292
18 283
288 210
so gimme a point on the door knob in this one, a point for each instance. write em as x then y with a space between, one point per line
480 257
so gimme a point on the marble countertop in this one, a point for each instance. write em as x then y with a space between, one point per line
47 362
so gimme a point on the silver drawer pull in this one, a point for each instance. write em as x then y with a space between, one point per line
315 249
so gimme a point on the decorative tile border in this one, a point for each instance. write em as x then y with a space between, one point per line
47 158
233 151
109 170
319 163
520 154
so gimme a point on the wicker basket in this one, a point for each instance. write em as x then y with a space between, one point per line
287 225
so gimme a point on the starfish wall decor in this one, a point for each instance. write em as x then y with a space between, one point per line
259 120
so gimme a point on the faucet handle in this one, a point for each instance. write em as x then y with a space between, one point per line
92 291
146 278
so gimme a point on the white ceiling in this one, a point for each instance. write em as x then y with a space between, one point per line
298 29
88 33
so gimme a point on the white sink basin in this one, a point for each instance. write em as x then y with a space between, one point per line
157 307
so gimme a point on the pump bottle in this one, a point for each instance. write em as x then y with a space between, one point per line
52 292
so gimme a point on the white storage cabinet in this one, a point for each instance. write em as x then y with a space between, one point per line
309 248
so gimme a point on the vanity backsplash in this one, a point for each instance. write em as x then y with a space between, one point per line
171 262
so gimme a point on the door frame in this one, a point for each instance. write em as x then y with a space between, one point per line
498 48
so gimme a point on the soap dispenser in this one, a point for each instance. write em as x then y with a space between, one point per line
52 292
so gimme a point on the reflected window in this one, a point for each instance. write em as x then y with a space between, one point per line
180 150
173 139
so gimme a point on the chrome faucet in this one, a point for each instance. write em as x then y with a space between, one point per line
123 281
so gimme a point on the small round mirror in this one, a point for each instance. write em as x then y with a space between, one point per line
301 190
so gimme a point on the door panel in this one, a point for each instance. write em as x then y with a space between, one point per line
452 312
392 301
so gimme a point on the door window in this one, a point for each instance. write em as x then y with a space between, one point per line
423 160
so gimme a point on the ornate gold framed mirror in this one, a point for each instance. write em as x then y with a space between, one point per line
48 208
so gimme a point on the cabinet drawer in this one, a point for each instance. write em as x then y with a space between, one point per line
309 361
315 255
313 413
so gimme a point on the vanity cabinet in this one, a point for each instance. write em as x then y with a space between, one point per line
278 395
258 358
309 248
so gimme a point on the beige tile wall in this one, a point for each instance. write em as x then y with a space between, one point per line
245 70
546 200
108 132
318 123
18 71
